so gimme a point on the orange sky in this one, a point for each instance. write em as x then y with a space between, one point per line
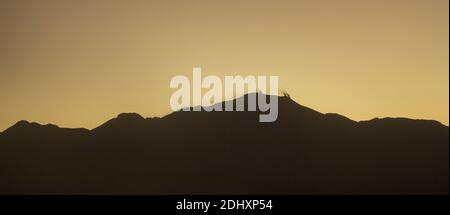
79 63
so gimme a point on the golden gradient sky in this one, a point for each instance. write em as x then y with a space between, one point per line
80 63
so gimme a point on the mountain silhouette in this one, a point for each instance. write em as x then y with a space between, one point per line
186 152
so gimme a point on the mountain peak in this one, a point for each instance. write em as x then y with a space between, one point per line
122 120
24 127
129 116
25 124
21 123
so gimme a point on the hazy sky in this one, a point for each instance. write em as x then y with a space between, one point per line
79 63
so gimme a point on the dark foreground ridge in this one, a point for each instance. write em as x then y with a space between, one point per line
303 152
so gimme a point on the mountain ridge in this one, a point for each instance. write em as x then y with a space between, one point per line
136 116
186 152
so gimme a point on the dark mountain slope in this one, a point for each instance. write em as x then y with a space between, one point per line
303 152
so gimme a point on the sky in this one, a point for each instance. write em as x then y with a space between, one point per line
78 63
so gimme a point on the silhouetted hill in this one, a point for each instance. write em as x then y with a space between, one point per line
24 130
303 152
